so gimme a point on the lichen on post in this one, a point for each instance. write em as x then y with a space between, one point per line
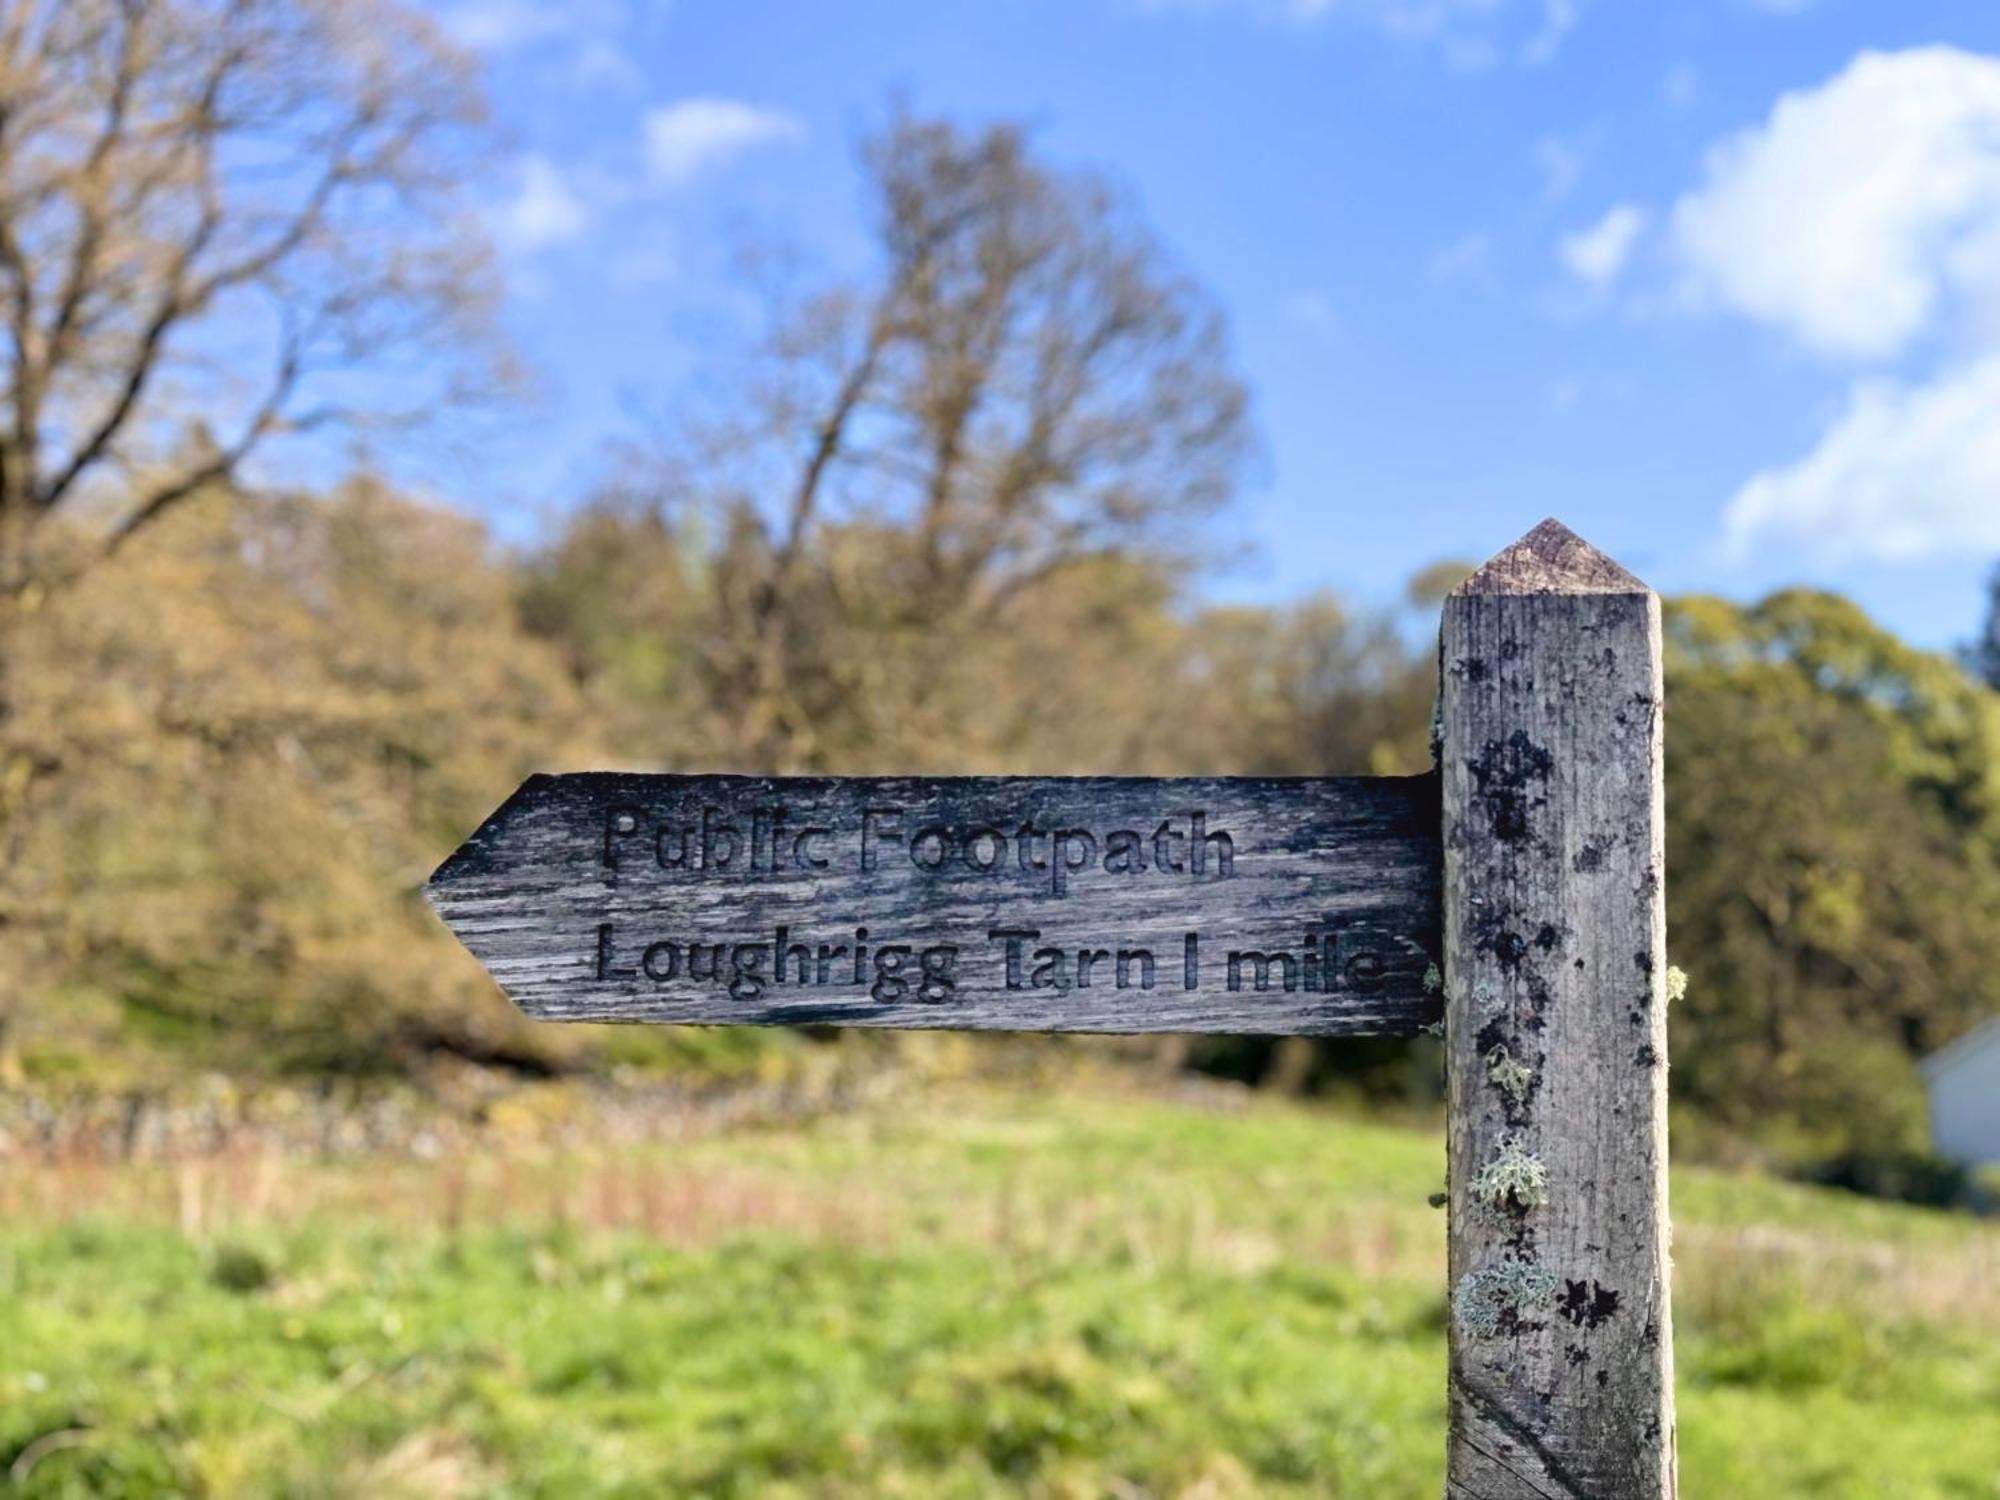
1555 989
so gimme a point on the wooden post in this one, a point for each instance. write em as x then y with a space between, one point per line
1561 1381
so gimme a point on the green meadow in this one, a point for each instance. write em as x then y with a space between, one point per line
964 1292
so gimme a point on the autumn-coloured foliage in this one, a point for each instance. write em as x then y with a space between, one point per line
946 511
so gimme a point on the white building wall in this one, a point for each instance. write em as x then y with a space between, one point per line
1965 1103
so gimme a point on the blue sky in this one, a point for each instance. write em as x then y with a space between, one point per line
1716 282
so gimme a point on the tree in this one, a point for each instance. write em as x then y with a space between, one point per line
271 719
1833 799
216 217
210 210
1020 389
1317 689
1982 657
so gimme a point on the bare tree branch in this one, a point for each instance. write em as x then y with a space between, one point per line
1021 388
219 466
176 174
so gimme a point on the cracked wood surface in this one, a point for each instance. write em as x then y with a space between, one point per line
1561 1376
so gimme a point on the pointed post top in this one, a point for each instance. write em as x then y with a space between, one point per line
1551 559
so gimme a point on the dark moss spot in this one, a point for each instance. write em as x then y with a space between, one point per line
1587 1304
1547 938
1473 668
1536 1018
1589 859
1646 1057
1644 959
1502 773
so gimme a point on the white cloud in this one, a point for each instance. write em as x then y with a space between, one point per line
1472 34
1467 258
1559 18
598 60
1905 471
1862 219
685 138
1561 163
1596 255
581 43
1849 214
1407 17
500 25
544 210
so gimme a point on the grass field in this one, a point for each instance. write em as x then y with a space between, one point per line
969 1294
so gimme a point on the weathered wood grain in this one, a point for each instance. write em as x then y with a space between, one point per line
1555 974
604 896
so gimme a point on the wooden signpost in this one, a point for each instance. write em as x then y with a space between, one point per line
1514 895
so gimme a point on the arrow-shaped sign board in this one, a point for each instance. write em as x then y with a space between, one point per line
1259 905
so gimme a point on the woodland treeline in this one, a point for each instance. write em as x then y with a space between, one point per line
948 514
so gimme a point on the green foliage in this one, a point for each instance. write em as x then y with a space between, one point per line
1782 1344
1098 1339
1901 1175
239 1268
1834 843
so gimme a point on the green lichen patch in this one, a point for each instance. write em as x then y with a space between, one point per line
1509 1074
1677 982
1433 979
1514 1179
1490 1300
